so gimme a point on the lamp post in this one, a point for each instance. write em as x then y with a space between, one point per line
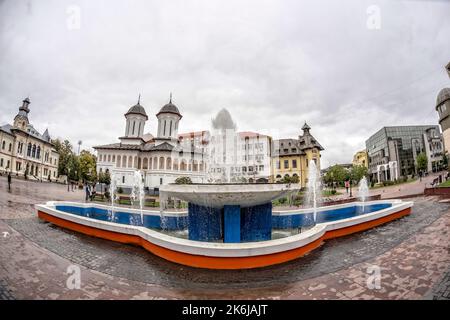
68 173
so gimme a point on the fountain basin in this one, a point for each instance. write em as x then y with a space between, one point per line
220 195
215 255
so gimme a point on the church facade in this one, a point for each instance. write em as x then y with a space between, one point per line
162 158
25 151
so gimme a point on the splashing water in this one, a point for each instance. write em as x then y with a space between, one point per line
313 192
363 190
138 193
113 195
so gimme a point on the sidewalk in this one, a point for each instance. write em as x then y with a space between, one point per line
399 190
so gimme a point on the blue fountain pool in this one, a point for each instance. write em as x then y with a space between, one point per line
280 220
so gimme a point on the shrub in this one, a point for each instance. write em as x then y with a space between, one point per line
183 180
119 190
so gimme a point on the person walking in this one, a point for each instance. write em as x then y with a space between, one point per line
88 192
347 185
9 181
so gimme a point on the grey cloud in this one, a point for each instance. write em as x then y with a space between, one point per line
272 64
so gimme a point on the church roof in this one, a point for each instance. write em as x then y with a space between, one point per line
137 109
169 108
7 129
120 146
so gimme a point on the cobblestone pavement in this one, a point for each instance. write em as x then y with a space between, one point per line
413 255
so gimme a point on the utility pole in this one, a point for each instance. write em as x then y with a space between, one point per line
79 145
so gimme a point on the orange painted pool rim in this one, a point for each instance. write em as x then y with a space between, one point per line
209 262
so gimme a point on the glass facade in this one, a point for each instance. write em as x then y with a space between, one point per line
401 144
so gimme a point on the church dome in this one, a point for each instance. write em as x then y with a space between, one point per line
137 109
169 108
443 96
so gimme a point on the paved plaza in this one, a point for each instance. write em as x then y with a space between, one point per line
412 256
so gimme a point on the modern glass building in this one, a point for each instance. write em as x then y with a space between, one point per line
392 151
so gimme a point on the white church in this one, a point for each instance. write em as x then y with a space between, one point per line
161 159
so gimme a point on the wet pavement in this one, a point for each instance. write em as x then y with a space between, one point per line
412 256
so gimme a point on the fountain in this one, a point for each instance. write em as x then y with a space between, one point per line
363 191
113 195
313 188
228 225
137 192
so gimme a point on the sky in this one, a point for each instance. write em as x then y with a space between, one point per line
346 67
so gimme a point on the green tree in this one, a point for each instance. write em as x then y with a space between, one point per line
421 162
87 166
336 174
357 173
183 180
64 149
104 177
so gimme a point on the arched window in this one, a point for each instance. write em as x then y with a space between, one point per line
109 158
145 163
161 163
10 147
201 166
3 144
195 166
139 164
124 161
150 163
33 151
29 149
175 164
114 158
155 163
118 161
130 161
183 165
169 163
135 163
38 153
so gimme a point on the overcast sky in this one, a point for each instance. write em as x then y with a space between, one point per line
272 64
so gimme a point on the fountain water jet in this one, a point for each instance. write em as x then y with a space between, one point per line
313 187
363 191
137 192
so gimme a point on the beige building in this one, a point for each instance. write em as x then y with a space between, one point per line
291 157
23 150
360 159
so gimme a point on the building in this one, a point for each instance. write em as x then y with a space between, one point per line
443 109
161 159
25 151
291 157
239 157
392 151
360 159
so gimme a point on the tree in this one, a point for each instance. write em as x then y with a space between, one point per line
104 177
64 149
87 166
421 162
336 174
183 180
445 161
357 172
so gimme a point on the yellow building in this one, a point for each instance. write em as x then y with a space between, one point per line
291 157
361 159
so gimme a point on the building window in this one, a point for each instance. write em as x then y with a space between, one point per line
160 180
294 163
1 162
10 147
123 179
3 144
286 164
278 164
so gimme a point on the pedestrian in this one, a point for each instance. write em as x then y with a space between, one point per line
347 185
9 181
88 192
